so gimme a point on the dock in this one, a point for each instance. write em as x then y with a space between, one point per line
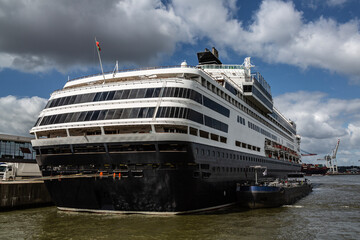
23 194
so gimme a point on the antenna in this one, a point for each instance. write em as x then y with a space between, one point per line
116 69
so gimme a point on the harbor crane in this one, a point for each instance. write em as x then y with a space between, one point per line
331 159
305 153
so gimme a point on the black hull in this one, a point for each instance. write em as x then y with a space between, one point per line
182 179
268 199
167 192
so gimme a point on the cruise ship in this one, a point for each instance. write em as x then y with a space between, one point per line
167 140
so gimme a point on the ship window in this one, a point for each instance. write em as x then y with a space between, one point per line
57 119
118 94
52 119
61 101
88 116
77 99
181 113
150 112
149 92
172 92
95 115
126 113
141 93
49 119
44 121
110 96
196 96
186 113
216 107
204 134
125 94
110 114
193 131
72 99
170 112
117 114
167 92
86 98
214 137
176 114
134 113
133 93
157 92
142 112
49 104
67 99
195 116
160 113
56 102
103 96
97 97
187 93
62 118
165 111
82 116
181 92
223 139
102 115
75 117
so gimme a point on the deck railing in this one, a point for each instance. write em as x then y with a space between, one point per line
131 70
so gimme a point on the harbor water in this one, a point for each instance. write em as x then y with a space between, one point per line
331 211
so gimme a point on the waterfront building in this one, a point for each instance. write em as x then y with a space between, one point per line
16 149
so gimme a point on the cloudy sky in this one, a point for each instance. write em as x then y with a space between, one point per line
309 52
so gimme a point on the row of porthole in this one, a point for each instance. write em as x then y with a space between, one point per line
219 154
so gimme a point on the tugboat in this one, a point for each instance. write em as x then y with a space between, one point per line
272 193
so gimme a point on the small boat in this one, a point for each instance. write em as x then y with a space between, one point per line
267 194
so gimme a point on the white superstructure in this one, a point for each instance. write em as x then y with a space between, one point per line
237 119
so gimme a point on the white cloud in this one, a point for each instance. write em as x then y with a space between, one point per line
321 121
278 34
40 36
18 115
335 3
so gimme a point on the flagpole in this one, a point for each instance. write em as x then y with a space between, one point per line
98 51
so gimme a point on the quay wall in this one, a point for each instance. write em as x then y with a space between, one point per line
23 194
